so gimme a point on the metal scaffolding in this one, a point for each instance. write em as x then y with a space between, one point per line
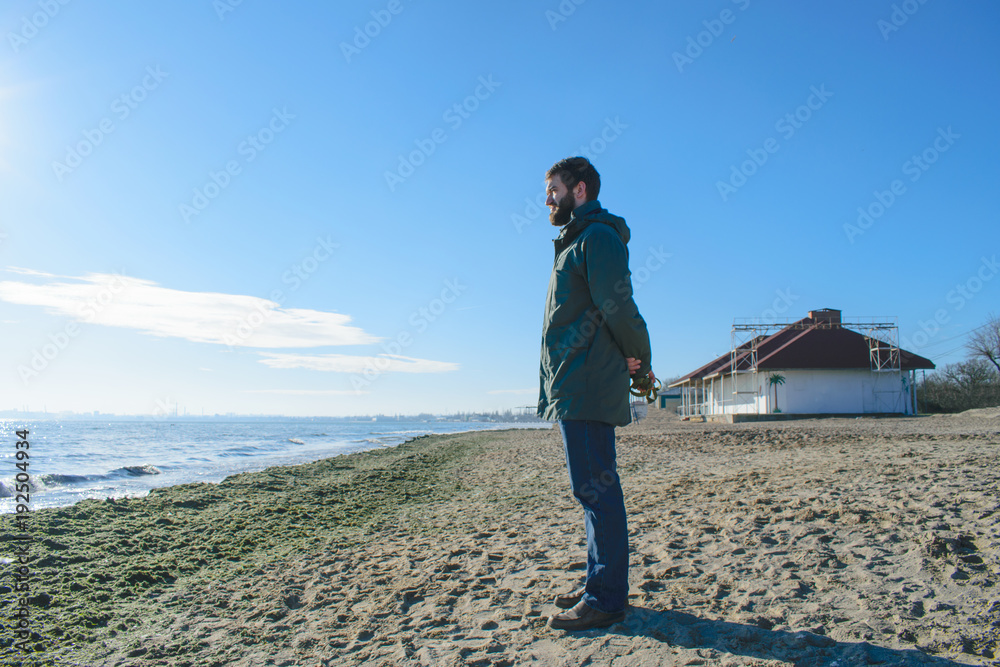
884 357
741 386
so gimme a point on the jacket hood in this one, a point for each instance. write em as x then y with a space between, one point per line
613 221
592 212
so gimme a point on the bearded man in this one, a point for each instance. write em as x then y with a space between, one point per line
593 339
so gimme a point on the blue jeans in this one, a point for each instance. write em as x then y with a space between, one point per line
590 459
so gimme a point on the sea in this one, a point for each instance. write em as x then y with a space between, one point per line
68 461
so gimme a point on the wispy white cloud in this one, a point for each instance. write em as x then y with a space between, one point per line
31 272
514 391
306 392
205 317
342 363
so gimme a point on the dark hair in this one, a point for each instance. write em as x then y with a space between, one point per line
572 170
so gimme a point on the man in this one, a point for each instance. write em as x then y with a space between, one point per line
593 338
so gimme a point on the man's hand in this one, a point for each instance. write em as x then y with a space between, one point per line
633 366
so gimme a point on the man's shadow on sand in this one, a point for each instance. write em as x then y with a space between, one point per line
803 649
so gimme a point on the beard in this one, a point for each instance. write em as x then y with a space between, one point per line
564 209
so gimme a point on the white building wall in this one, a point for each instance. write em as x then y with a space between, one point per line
748 400
844 391
813 392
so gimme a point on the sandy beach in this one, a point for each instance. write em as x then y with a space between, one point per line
816 542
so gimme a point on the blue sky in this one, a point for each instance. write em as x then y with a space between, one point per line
257 207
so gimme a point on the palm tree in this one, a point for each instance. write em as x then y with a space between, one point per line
774 379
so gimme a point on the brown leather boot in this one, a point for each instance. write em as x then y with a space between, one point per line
584 617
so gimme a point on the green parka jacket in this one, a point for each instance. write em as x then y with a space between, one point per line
591 322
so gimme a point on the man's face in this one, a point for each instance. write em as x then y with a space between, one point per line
560 201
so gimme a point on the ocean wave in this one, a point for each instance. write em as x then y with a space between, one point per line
374 441
136 471
57 479
8 487
243 450
37 484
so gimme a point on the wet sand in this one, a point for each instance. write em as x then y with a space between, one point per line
817 542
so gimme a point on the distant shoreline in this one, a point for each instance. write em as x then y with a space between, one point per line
158 455
495 418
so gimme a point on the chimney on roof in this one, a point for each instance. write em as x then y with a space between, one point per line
825 315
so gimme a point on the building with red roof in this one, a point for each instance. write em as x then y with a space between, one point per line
818 365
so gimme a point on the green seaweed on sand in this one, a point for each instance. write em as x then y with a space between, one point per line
99 568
